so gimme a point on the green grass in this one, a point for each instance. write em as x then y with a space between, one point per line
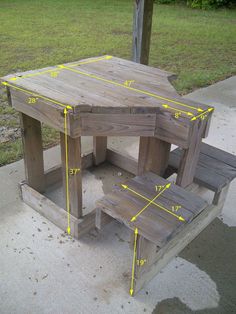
10 152
199 46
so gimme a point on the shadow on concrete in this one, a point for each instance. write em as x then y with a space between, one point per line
214 252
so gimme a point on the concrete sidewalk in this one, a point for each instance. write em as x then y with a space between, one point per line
44 271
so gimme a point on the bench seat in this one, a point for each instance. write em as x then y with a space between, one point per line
215 170
165 218
150 203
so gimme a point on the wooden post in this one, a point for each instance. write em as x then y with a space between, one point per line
143 10
190 156
220 196
150 149
99 149
33 152
75 173
153 155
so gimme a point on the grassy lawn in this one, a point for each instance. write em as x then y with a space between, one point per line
199 46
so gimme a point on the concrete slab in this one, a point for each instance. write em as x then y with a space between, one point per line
44 271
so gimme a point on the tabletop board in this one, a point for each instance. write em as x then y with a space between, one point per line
106 84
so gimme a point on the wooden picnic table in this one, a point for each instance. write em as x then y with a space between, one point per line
100 97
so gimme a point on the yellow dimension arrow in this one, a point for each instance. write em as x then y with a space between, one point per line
153 203
15 78
67 172
36 95
130 88
177 110
53 70
202 114
131 291
91 61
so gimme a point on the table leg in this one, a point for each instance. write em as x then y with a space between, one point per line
33 152
190 156
74 173
99 149
153 155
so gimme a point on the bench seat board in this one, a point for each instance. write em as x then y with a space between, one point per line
154 223
219 154
215 168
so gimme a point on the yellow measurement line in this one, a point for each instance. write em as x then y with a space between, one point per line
32 74
36 95
177 110
67 172
54 70
91 61
202 114
155 204
131 291
129 87
150 202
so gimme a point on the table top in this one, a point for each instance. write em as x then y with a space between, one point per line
107 85
108 96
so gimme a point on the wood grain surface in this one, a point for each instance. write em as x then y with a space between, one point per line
107 96
154 223
215 168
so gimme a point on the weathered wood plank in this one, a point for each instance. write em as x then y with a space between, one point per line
124 64
215 168
158 223
122 161
139 77
33 152
41 110
74 167
102 86
158 258
219 197
101 219
167 127
153 155
172 130
99 149
178 195
188 163
218 154
162 126
56 214
48 209
117 124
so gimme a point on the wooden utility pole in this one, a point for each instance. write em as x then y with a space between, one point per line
143 11
149 147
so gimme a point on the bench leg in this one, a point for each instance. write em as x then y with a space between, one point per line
74 173
143 253
99 149
150 259
102 219
219 197
153 155
33 152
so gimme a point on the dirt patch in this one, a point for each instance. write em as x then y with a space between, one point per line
8 134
